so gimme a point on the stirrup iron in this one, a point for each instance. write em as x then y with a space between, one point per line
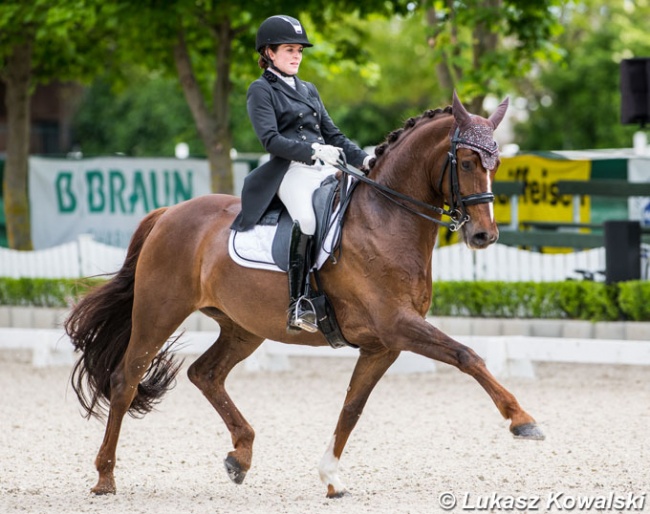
300 311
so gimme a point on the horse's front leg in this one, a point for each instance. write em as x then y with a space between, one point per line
369 369
416 335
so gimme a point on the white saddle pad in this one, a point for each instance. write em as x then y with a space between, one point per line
252 249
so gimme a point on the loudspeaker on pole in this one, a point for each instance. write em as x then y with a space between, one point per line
622 251
635 91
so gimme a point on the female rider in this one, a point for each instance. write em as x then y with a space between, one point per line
294 127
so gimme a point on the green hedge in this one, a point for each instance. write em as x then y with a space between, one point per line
594 301
43 292
584 300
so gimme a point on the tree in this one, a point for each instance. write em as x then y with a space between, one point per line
391 83
357 64
575 104
202 41
147 118
481 46
40 42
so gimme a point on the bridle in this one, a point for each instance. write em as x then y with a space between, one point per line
457 212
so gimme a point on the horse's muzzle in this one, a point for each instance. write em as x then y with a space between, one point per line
480 239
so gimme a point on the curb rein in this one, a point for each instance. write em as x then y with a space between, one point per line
457 213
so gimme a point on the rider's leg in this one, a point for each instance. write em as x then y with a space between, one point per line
296 191
301 312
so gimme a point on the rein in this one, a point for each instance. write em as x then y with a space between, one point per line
457 213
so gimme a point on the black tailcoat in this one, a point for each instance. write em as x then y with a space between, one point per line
286 122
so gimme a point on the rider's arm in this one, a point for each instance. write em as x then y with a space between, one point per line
263 116
332 135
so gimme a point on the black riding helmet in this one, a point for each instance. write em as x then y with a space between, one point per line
281 30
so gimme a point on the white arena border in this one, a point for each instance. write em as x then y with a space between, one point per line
513 355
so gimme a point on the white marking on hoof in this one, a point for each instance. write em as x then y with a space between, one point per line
328 470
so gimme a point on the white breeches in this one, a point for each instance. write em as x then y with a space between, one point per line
297 188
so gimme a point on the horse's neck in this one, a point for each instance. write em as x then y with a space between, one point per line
411 166
409 176
394 225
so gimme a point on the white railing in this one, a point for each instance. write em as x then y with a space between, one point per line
81 258
510 264
86 257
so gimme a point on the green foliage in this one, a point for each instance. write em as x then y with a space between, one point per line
582 300
71 39
634 300
372 62
43 292
146 119
480 46
357 65
374 95
576 104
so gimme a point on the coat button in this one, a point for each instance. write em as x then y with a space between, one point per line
317 126
315 114
299 115
320 138
304 138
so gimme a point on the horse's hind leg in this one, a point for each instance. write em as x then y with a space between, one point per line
369 369
209 374
148 335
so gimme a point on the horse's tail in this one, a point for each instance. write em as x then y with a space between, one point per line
99 326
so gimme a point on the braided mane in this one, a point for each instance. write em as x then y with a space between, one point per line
410 123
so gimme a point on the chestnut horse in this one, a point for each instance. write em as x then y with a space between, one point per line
178 262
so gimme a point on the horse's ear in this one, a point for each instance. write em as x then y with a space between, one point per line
499 113
461 115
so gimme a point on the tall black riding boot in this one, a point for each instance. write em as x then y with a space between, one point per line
301 310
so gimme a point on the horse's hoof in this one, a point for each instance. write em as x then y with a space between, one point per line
104 487
332 493
234 470
528 431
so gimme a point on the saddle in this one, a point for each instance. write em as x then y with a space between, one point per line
266 246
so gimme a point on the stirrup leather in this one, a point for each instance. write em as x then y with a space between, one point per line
303 315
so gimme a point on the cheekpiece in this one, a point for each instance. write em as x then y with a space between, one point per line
480 138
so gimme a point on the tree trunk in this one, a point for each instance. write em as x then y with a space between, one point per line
485 42
442 70
17 77
213 128
448 73
222 177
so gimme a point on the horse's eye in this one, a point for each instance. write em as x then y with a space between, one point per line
466 165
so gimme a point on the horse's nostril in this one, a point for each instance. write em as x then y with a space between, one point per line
480 237
483 239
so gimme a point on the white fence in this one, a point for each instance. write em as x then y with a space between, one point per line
85 257
81 258
510 264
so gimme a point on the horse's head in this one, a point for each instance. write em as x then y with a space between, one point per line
421 177
477 160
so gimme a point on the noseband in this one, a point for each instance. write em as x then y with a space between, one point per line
457 212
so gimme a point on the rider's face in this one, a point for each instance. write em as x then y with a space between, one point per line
287 58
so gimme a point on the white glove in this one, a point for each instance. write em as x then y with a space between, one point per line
327 154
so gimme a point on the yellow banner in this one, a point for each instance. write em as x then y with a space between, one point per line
540 200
